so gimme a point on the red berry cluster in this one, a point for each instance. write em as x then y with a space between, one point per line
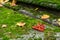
39 27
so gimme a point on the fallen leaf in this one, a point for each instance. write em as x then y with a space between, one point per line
36 8
40 27
4 26
21 24
1 5
13 3
59 19
58 23
45 16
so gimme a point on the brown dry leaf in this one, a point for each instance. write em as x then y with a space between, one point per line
45 16
21 24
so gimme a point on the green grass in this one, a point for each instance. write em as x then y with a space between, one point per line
10 18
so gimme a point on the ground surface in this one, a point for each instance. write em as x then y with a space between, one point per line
10 18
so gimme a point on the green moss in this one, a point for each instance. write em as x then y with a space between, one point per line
45 3
10 17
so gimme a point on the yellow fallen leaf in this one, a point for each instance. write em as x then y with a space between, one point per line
45 16
59 19
36 8
4 26
21 24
